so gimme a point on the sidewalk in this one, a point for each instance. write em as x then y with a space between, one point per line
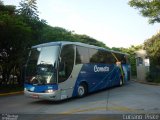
10 90
11 93
145 82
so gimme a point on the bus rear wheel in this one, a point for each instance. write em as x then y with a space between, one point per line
82 90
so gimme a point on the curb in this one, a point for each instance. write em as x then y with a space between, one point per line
148 83
11 93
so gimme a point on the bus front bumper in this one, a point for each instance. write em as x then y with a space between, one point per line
44 96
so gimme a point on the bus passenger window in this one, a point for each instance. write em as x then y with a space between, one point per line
101 56
66 63
93 56
82 55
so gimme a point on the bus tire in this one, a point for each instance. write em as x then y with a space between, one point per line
82 90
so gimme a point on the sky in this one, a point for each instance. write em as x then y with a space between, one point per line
112 22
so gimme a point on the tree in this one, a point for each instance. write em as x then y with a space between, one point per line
152 46
29 13
51 34
89 40
1 2
14 38
20 29
9 9
28 9
148 8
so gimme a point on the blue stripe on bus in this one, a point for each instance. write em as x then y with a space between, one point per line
40 88
104 82
98 80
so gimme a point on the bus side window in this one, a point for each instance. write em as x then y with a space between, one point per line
93 55
66 63
82 55
110 58
123 59
101 56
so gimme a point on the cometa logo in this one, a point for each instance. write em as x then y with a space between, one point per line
101 69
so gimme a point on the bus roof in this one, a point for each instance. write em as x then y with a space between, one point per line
75 43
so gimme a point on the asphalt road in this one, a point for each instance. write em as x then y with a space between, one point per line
133 98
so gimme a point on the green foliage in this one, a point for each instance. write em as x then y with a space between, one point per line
1 2
28 9
152 46
14 38
154 74
51 34
19 30
8 8
148 8
88 40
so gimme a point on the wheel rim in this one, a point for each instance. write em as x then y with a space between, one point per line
81 90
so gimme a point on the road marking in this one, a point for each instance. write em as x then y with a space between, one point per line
83 110
12 93
115 108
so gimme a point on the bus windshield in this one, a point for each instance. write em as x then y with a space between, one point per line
41 65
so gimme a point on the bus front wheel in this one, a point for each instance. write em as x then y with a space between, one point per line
82 90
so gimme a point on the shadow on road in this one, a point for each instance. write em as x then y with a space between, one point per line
48 102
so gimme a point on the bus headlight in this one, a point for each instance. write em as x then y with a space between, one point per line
50 91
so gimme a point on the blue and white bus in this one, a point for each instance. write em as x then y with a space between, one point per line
61 70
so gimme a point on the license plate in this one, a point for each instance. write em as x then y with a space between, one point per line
35 96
